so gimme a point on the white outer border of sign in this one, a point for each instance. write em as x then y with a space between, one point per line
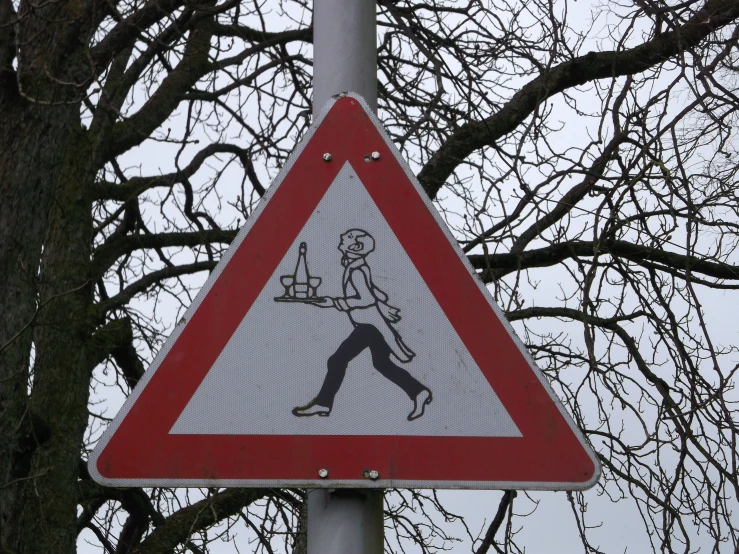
329 483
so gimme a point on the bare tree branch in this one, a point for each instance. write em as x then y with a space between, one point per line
488 541
578 71
495 266
148 281
181 525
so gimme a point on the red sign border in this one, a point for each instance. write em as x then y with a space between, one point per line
137 449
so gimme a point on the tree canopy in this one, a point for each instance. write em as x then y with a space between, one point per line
584 155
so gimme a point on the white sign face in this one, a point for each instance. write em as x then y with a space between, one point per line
286 354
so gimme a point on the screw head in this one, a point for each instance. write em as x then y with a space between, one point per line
374 474
327 157
375 155
323 473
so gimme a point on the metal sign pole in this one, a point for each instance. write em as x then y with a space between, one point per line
345 521
344 50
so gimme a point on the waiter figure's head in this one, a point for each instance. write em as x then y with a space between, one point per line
356 243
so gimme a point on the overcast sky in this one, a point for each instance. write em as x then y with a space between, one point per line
548 527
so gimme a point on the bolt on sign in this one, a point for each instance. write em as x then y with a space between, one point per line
344 341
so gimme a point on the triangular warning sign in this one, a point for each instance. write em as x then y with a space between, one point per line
343 340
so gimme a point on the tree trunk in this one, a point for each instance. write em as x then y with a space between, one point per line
45 243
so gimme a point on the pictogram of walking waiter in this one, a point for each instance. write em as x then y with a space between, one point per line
373 319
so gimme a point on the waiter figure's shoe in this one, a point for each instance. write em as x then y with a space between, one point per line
311 409
422 400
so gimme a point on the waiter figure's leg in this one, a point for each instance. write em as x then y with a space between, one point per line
365 336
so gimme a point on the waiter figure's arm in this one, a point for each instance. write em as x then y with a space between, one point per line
363 297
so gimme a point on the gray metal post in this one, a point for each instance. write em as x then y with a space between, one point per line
344 50
345 521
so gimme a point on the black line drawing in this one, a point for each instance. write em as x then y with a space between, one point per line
301 286
372 318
